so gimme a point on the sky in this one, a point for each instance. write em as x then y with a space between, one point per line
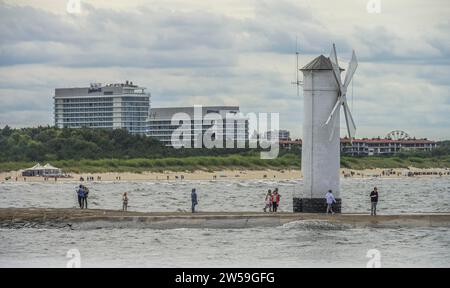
232 52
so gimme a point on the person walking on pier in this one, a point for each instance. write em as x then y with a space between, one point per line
268 201
330 200
194 199
275 200
374 201
125 201
86 193
80 194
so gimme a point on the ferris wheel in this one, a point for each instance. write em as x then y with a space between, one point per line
397 135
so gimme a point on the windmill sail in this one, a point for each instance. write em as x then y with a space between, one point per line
336 69
351 127
342 93
351 69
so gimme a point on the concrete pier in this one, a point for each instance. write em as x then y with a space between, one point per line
97 219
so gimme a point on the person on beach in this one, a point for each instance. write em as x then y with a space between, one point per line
330 200
125 201
268 201
80 194
374 201
194 199
275 200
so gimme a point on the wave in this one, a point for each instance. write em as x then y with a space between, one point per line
314 225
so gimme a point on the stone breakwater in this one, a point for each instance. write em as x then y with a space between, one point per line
97 219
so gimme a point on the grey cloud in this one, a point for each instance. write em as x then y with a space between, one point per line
278 23
187 57
25 118
22 100
379 44
102 39
440 41
146 37
25 23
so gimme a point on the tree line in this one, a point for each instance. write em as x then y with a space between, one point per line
50 143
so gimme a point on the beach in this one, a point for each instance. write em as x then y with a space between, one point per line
289 174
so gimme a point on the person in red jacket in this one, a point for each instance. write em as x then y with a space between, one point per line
276 200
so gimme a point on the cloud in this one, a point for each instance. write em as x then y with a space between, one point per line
379 45
232 53
153 37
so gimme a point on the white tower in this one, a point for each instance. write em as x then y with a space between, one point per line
323 92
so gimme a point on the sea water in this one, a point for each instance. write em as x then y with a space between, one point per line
296 244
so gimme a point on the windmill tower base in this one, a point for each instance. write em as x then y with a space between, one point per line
321 143
324 94
314 205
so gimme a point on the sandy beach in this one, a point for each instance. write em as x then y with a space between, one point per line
226 175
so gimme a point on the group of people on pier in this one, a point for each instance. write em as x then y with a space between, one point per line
330 200
272 200
83 193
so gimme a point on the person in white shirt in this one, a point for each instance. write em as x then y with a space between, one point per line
268 201
330 200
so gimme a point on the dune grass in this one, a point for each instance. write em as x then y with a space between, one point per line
360 163
217 163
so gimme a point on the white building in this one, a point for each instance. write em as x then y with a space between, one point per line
283 135
113 106
234 129
384 147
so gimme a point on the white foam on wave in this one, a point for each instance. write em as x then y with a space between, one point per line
314 225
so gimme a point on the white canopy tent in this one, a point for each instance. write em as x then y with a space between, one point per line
44 171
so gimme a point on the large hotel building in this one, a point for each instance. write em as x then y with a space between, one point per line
122 105
233 129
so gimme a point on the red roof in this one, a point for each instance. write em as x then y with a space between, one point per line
376 140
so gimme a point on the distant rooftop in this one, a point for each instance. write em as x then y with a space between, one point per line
387 140
96 89
373 140
168 112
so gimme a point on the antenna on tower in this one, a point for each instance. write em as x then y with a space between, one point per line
298 83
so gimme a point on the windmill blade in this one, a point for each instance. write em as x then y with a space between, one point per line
333 127
335 64
351 70
333 56
351 127
333 112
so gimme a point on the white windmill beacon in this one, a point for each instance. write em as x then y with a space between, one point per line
324 93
